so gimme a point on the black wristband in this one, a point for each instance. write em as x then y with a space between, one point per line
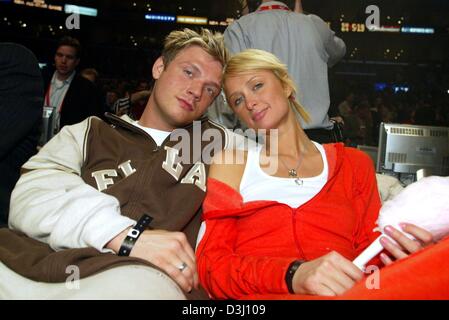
290 273
134 234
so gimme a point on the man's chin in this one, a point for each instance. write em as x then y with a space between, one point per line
185 117
63 72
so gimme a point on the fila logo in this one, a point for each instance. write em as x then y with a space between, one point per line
195 176
103 177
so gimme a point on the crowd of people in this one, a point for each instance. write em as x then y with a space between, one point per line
363 113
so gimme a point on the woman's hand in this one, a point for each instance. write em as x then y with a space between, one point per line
329 275
405 245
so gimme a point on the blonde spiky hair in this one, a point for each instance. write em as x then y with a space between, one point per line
211 42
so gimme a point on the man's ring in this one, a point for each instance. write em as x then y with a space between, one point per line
182 266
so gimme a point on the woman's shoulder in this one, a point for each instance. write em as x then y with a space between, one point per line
358 156
228 167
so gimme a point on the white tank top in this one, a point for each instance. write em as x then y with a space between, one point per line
258 185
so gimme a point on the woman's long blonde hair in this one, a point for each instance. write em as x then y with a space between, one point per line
252 60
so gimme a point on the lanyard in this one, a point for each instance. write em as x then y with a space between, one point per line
274 7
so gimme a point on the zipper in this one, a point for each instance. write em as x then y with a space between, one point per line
295 233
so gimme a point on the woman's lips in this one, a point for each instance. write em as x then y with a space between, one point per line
259 115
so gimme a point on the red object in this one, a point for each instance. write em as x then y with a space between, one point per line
422 276
274 7
247 247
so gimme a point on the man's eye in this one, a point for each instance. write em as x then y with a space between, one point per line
211 91
188 72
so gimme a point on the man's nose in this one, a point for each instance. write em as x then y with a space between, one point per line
195 89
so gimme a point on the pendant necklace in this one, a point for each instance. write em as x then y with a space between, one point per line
293 172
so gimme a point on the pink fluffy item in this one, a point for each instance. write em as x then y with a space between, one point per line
424 203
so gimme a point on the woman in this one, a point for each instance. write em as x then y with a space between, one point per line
294 229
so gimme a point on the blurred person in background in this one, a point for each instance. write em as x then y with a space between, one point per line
69 98
21 99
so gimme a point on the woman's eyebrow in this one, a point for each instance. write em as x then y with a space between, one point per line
246 83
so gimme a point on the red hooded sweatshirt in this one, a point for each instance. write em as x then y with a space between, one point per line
247 247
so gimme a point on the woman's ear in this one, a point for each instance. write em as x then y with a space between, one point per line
288 91
158 68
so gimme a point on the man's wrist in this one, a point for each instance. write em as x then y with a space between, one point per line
117 241
133 235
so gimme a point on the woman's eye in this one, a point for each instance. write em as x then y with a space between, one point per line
238 101
258 86
188 72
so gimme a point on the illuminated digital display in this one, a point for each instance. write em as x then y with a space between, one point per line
385 29
360 27
418 30
352 27
221 23
38 4
160 17
191 20
70 8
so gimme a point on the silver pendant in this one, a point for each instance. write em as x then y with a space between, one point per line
292 173
299 182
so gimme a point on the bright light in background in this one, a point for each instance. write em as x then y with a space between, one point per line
418 30
158 17
70 8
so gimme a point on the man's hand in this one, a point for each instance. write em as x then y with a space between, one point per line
329 275
405 245
168 251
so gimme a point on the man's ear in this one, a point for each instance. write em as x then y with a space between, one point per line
158 68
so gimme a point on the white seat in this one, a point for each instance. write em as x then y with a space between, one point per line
134 282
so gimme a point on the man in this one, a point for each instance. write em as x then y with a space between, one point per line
70 98
21 91
303 42
94 190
